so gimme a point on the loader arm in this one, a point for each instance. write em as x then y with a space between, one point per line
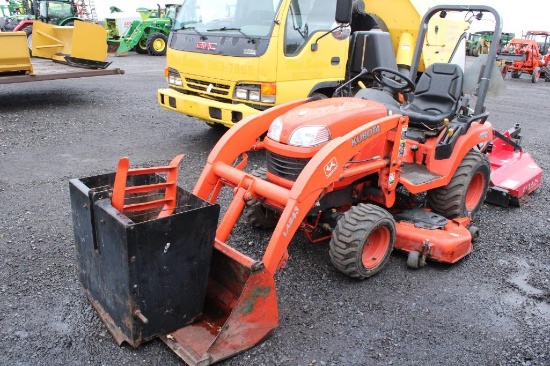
328 166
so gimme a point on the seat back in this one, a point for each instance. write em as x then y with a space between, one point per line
437 95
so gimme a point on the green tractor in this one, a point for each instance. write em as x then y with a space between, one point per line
478 43
148 35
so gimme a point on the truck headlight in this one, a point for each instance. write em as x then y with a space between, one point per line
308 136
275 129
264 92
173 77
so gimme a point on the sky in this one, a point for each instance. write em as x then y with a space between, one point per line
516 18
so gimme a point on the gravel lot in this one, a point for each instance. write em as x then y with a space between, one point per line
492 308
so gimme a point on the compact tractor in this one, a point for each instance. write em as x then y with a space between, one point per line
526 55
401 165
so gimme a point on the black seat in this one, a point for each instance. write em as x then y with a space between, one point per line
436 97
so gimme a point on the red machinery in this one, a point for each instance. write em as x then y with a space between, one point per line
526 56
367 172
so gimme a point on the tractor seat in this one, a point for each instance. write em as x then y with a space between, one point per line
436 97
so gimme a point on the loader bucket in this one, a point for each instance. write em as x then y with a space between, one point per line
14 53
82 45
240 310
118 47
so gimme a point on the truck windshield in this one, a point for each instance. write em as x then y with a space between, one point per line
251 17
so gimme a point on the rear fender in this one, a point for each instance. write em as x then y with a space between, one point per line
478 134
24 24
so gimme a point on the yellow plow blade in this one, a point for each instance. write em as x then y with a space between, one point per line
14 53
84 44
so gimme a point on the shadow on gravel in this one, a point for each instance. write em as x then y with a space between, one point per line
37 99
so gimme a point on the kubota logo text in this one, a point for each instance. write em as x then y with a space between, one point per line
365 135
291 220
206 46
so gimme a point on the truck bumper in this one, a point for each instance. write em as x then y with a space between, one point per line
211 111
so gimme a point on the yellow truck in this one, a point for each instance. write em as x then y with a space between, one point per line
228 59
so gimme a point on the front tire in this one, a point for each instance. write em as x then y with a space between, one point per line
362 241
536 75
156 44
141 47
465 193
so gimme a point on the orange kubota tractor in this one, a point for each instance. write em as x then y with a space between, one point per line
526 55
402 165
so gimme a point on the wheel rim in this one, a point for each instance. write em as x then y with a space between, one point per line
142 44
475 191
375 247
159 45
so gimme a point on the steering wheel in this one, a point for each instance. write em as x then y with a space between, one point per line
404 85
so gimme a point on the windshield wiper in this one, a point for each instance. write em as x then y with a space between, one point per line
183 27
222 29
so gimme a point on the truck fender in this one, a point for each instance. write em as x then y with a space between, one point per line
326 87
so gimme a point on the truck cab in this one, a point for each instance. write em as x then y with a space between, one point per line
229 59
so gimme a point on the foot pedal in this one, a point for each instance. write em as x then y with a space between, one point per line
120 190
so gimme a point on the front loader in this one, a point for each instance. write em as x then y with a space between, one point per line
400 165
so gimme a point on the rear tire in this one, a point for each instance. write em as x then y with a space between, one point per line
256 214
156 44
465 193
362 241
515 74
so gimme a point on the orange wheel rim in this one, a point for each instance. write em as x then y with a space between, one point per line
475 191
375 248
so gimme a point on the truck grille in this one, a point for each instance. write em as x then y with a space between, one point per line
285 167
202 85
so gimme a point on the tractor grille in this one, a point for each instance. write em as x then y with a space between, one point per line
285 167
202 85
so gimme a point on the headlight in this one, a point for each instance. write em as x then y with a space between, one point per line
308 136
275 129
241 93
173 77
264 92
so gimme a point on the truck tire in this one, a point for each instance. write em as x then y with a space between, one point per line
141 47
256 214
362 241
156 44
465 193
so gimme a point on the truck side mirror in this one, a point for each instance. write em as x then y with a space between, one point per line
343 11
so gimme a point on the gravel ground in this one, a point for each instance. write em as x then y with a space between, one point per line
492 308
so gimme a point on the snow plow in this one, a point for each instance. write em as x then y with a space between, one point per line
14 54
82 45
402 164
